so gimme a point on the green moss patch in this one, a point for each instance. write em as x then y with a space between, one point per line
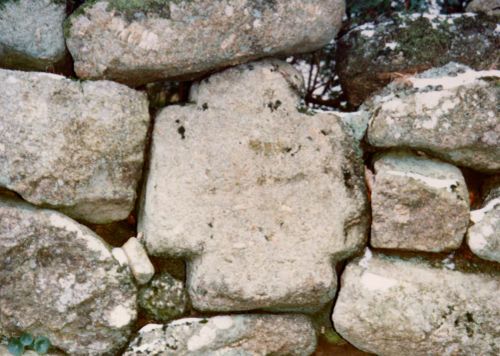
423 43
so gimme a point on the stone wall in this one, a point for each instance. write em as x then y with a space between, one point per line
166 190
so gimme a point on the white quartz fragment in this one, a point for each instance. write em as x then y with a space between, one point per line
142 268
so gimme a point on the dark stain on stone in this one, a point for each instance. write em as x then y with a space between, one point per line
274 106
181 130
347 175
296 151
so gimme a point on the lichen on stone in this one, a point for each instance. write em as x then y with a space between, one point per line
164 298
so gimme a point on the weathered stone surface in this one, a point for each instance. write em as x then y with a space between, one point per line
371 55
259 197
161 39
390 306
31 33
164 298
418 204
483 236
490 7
356 121
58 279
450 112
74 146
228 335
138 261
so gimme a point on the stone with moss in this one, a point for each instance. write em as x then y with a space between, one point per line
73 146
373 54
164 298
391 305
490 7
450 112
231 335
151 40
31 34
418 204
59 280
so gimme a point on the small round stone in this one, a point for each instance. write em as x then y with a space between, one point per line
164 298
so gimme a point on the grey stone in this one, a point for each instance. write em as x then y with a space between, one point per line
31 33
490 7
356 121
450 112
390 306
235 335
73 146
164 298
146 42
483 237
369 56
59 280
418 204
259 198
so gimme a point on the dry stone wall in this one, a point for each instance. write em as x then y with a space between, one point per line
226 217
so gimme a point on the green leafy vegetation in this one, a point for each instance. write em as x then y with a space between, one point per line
17 345
421 41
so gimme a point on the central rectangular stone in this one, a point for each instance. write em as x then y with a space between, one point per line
259 198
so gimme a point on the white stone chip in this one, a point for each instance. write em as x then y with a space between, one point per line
138 260
120 256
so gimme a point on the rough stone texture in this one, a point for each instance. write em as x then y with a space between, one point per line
259 197
356 121
483 236
31 33
164 298
490 7
229 336
161 39
371 55
74 146
58 279
138 261
450 112
418 204
389 306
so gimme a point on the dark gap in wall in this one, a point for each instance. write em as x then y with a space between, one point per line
7 193
72 5
476 186
115 233
174 266
160 95
462 258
